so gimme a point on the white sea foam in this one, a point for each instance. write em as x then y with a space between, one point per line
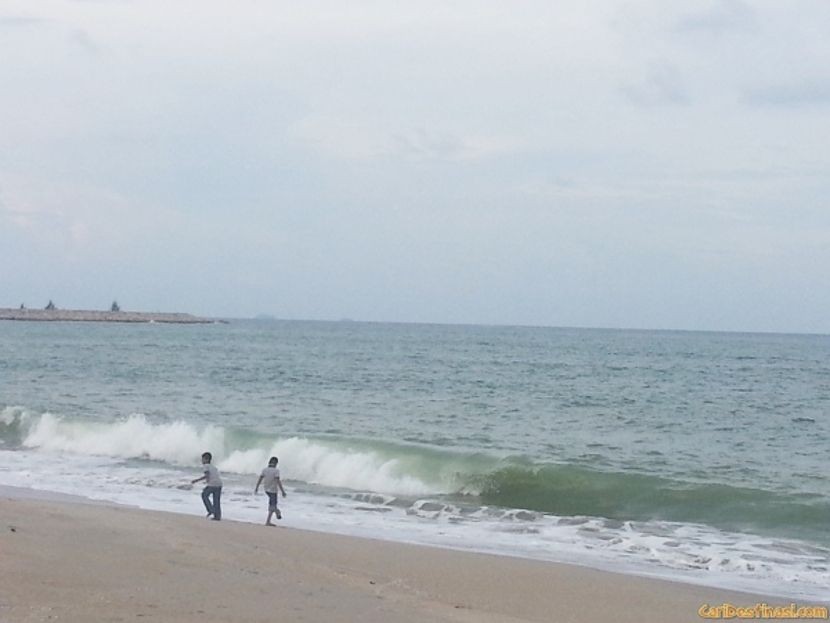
13 415
683 552
181 443
318 463
176 442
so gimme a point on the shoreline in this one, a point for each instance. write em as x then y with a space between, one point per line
94 561
305 523
85 315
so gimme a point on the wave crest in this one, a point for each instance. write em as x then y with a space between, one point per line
322 462
176 442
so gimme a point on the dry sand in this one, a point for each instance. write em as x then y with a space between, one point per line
66 561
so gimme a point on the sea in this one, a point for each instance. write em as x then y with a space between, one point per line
693 456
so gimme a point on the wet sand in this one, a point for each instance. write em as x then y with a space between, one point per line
71 561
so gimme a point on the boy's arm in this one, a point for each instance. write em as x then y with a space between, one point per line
279 484
193 482
258 482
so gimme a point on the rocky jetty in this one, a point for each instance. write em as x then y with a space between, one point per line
82 315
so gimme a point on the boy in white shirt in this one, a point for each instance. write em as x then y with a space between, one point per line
213 487
273 484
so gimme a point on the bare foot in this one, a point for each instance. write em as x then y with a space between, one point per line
268 523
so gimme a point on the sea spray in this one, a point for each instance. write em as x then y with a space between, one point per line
356 464
134 437
318 462
14 423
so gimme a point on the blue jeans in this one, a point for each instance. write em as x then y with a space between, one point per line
272 501
214 509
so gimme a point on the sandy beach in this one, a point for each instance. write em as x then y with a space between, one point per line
74 561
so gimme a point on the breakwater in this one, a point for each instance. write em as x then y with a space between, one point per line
82 315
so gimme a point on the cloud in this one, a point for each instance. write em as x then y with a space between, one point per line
14 21
339 138
424 144
724 16
78 37
85 42
280 135
71 220
809 93
662 87
356 141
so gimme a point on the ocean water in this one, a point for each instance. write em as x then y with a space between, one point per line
694 456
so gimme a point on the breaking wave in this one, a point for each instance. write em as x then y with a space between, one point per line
409 471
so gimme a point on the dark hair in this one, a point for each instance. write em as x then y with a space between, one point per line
273 460
208 456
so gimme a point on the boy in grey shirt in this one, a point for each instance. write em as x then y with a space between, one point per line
213 487
273 484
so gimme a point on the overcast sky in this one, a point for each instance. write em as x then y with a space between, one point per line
649 164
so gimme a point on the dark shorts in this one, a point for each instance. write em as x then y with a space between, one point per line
272 499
